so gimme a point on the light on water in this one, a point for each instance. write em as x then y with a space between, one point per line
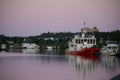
25 66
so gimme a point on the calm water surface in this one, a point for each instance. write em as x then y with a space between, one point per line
26 65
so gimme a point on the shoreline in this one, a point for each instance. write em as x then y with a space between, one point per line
116 77
11 54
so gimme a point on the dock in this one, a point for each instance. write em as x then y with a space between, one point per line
116 77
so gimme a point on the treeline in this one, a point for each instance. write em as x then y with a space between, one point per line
58 39
107 36
52 39
46 39
113 35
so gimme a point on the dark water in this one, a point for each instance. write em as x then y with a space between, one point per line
26 65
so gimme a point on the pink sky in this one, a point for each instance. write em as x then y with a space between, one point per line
33 17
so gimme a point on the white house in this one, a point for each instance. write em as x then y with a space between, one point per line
29 45
3 46
49 38
49 47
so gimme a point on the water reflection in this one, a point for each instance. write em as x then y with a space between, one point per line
42 67
84 63
37 51
30 50
15 50
89 62
56 67
24 50
52 52
109 62
102 67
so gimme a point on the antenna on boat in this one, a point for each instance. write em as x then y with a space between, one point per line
84 30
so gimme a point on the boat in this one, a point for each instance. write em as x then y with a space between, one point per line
84 44
110 48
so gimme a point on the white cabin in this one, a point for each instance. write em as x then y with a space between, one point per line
82 41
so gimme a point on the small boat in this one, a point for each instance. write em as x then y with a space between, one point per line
110 48
84 44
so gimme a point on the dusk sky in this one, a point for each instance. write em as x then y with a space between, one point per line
33 17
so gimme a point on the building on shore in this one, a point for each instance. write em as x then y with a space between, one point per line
29 46
3 46
86 29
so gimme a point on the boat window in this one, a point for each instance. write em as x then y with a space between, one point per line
90 41
85 40
94 46
93 41
114 47
79 41
109 47
76 41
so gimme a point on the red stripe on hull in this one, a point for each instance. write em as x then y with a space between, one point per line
85 51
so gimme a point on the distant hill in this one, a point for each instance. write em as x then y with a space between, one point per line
60 38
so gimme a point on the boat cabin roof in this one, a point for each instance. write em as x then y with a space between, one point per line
111 42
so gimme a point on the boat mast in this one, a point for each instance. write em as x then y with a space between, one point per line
84 31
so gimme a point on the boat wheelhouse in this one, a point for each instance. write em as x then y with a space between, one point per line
82 41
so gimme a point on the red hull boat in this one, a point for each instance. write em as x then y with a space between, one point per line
85 51
83 44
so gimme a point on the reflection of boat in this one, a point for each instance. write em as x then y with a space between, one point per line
111 48
83 45
90 57
83 63
109 62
